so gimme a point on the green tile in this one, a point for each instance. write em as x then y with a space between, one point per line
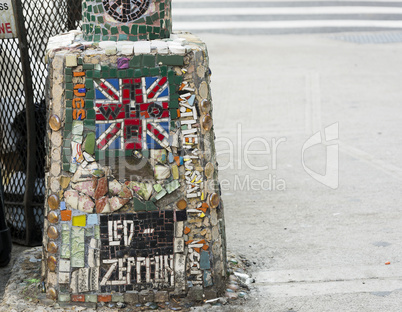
142 29
171 75
68 71
69 103
145 71
125 29
138 205
114 30
164 70
68 78
97 74
123 37
66 143
153 36
89 73
69 86
173 60
89 83
105 74
92 298
134 30
90 113
148 60
66 167
178 80
90 143
89 104
150 206
136 61
173 104
68 126
137 73
149 20
66 158
154 71
122 73
89 123
117 298
155 16
77 247
87 66
174 97
69 115
67 152
69 94
113 72
130 73
173 113
90 94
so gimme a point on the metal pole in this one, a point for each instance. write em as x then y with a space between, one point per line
30 120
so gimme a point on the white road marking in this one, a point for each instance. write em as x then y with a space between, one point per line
333 280
346 10
287 24
386 167
279 1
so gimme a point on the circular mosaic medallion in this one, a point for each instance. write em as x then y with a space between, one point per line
126 10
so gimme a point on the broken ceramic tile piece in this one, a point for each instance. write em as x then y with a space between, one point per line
85 204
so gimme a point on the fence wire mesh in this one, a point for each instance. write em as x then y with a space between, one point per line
43 19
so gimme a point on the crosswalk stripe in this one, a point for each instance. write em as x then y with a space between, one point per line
279 2
287 24
286 11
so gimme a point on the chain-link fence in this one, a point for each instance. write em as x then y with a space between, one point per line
43 19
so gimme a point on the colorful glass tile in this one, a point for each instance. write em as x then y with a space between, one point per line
80 220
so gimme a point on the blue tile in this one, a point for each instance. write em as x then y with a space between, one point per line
204 261
92 219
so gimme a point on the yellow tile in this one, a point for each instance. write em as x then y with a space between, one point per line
80 220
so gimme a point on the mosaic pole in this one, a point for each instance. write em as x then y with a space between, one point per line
133 211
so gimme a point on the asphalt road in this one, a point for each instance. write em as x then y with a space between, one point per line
331 245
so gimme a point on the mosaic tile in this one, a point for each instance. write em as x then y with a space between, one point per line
79 220
135 211
77 247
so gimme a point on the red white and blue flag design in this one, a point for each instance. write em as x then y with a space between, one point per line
132 114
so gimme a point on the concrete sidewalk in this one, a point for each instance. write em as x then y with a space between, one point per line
314 248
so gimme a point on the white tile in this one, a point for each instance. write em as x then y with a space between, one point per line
142 47
64 266
178 245
64 278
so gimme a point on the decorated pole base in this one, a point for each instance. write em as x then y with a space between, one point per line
133 205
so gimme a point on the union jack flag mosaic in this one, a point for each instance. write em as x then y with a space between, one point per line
132 114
